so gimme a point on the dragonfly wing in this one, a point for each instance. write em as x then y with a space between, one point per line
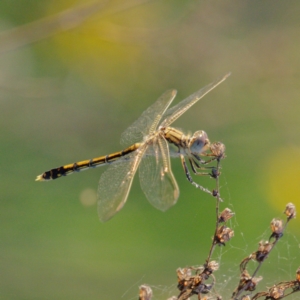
115 184
149 119
176 111
156 177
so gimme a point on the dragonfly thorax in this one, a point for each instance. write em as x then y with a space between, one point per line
199 142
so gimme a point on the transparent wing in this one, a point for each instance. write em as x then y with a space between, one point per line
149 119
156 177
175 112
115 184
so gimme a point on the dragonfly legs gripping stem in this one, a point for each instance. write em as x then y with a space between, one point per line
189 177
195 165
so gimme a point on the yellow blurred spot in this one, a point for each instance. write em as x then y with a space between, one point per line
88 197
106 45
283 178
115 40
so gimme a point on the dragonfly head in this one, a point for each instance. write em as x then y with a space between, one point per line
199 142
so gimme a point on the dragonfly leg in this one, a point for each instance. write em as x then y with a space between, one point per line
190 179
205 162
214 171
195 166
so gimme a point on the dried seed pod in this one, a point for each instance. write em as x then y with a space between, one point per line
298 275
223 235
245 276
276 292
145 292
225 215
247 283
263 251
218 150
211 267
290 211
252 282
184 276
277 228
183 273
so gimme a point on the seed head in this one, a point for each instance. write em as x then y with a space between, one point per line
145 292
290 211
223 235
263 250
225 215
277 228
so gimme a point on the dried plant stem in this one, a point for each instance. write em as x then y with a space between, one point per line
191 284
247 282
213 244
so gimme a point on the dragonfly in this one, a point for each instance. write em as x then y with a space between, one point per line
151 139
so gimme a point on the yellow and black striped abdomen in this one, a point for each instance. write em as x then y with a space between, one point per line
85 164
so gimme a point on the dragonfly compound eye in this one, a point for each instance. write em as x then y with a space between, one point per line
199 142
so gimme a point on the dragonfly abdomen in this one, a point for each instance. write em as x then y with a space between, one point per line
69 169
85 164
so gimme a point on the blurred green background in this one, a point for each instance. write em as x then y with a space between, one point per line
74 75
